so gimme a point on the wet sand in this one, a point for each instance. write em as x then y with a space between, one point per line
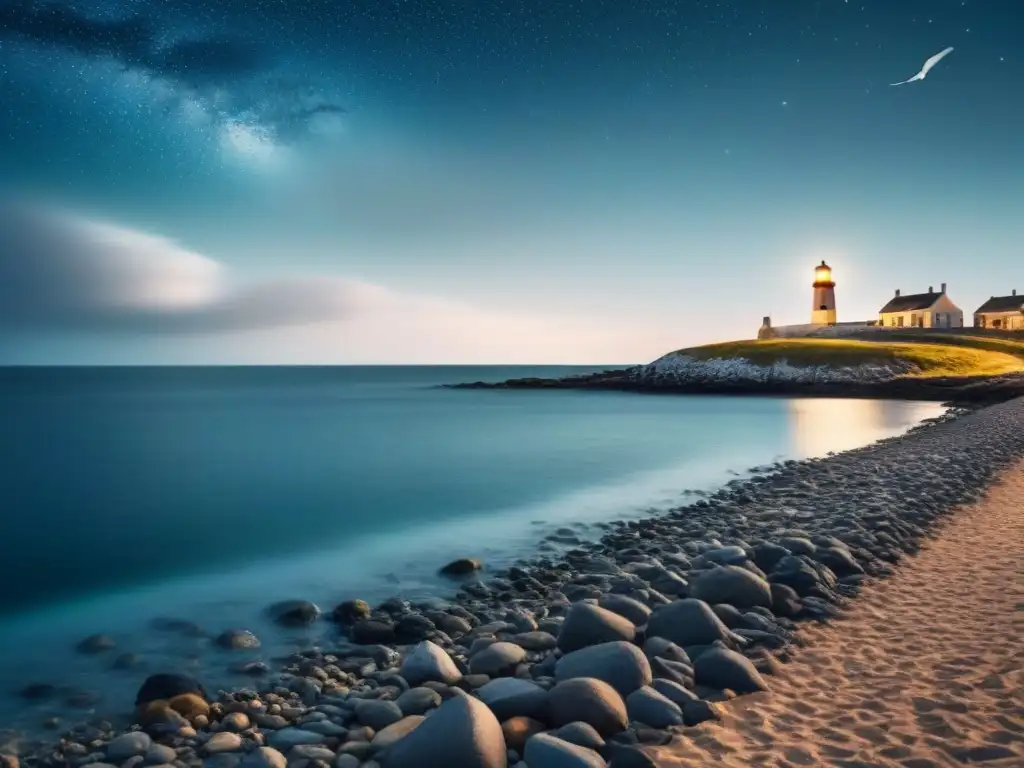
925 669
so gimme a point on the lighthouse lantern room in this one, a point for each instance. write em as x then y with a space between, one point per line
823 309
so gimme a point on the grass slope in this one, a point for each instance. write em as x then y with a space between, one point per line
987 358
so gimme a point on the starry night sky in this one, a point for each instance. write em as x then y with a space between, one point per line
504 181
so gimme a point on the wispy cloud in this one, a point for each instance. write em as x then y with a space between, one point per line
72 276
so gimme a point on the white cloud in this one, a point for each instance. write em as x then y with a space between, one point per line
64 274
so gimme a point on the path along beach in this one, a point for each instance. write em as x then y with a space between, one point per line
925 669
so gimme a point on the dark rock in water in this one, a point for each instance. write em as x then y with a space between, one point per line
82 699
463 567
167 686
461 733
785 600
237 639
732 585
182 626
688 622
96 644
127 661
412 628
351 611
251 668
38 691
721 668
294 613
372 632
588 624
590 701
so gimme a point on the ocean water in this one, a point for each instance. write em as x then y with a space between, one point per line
128 494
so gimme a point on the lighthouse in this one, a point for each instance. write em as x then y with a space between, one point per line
823 309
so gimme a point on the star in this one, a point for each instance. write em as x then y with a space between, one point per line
785 103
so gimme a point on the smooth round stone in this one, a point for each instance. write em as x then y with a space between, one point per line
647 706
547 751
622 665
497 659
461 733
429 662
223 742
236 721
264 757
731 585
588 700
129 745
294 613
237 640
377 714
588 624
417 701
388 736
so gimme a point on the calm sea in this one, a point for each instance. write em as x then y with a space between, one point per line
206 493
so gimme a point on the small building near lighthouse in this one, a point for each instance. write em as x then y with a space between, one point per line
823 304
1001 312
933 309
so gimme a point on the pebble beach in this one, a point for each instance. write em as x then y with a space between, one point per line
857 609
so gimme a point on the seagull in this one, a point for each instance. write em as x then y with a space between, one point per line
928 65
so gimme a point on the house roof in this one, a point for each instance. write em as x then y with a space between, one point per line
910 302
1002 304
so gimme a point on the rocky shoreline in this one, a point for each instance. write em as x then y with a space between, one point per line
962 390
577 661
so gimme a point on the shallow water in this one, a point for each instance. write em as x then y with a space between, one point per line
129 494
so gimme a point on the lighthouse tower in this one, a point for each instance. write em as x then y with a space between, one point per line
823 309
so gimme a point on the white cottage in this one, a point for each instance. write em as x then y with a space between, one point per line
921 310
1004 312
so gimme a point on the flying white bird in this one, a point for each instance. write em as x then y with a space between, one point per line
927 66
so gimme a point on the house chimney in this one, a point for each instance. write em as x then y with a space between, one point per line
1014 292
897 293
931 289
943 287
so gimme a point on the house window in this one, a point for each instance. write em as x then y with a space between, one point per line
899 321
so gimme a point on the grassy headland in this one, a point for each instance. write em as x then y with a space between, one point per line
952 356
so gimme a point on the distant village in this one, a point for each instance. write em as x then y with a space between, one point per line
932 309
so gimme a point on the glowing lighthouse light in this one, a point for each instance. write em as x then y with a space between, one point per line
823 307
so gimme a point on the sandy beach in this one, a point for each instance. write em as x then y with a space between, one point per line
925 669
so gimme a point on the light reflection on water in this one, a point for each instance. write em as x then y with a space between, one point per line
821 425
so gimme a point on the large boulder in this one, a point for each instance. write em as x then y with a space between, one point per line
294 613
588 624
687 623
547 751
166 686
590 701
428 662
462 733
721 668
622 665
513 697
237 640
732 585
645 705
350 611
463 567
626 607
